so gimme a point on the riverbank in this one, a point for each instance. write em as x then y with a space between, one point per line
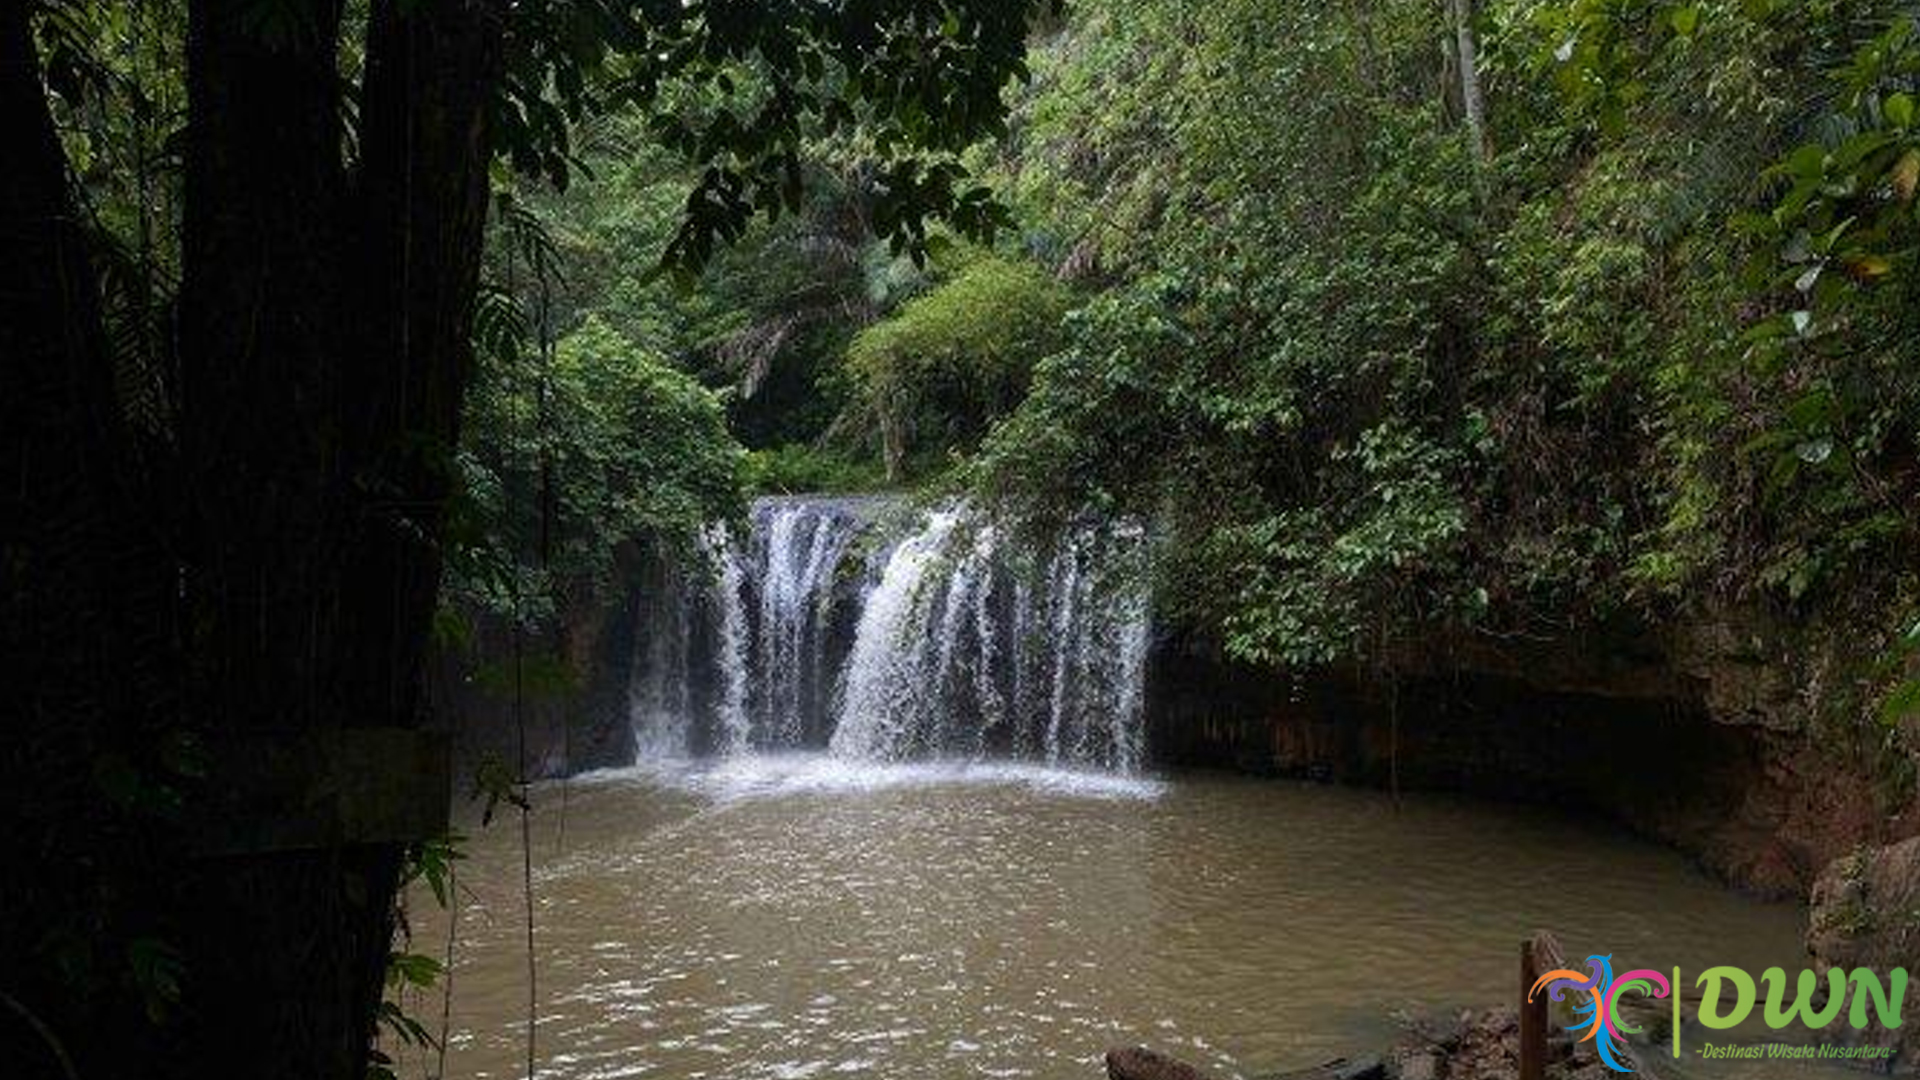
1736 738
1484 1044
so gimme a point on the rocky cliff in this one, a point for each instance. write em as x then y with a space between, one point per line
1744 741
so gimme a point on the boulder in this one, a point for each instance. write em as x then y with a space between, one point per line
1140 1063
1864 911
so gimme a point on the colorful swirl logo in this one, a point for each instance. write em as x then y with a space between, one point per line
1596 1013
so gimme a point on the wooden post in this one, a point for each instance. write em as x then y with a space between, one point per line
1533 1017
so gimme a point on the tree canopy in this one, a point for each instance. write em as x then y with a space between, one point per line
248 283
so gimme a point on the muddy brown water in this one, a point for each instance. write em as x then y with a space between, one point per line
791 917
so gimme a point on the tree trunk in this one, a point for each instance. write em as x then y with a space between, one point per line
284 949
324 326
274 599
423 189
1472 100
85 628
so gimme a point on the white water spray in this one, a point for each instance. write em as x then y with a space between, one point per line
950 643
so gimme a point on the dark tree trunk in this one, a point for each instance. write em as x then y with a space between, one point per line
262 329
422 201
85 625
324 334
275 599
285 948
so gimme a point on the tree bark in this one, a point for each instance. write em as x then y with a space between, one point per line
274 584
422 202
284 950
1472 99
324 322
285 589
86 631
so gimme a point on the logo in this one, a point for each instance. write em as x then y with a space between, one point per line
1598 1012
1728 995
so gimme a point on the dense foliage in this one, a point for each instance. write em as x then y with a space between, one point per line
951 360
1655 348
257 253
1639 348
572 453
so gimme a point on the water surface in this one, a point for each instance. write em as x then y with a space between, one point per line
774 918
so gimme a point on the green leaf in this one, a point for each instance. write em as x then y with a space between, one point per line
1903 702
413 969
1808 161
1898 110
1815 451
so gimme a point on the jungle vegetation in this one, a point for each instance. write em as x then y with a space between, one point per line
1614 330
264 261
327 321
1639 341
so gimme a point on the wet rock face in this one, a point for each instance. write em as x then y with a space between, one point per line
1865 913
1722 737
1657 765
565 726
1865 908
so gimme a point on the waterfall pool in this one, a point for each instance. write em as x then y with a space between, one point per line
800 915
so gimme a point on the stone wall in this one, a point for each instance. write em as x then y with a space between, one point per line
571 697
1720 736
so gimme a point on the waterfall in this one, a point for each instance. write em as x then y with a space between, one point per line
798 545
826 626
886 697
660 691
736 723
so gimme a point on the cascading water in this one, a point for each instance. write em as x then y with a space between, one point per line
886 696
735 721
659 690
798 546
950 641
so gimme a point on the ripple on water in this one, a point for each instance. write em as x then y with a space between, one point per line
795 915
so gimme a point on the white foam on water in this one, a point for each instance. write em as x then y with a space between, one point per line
783 775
